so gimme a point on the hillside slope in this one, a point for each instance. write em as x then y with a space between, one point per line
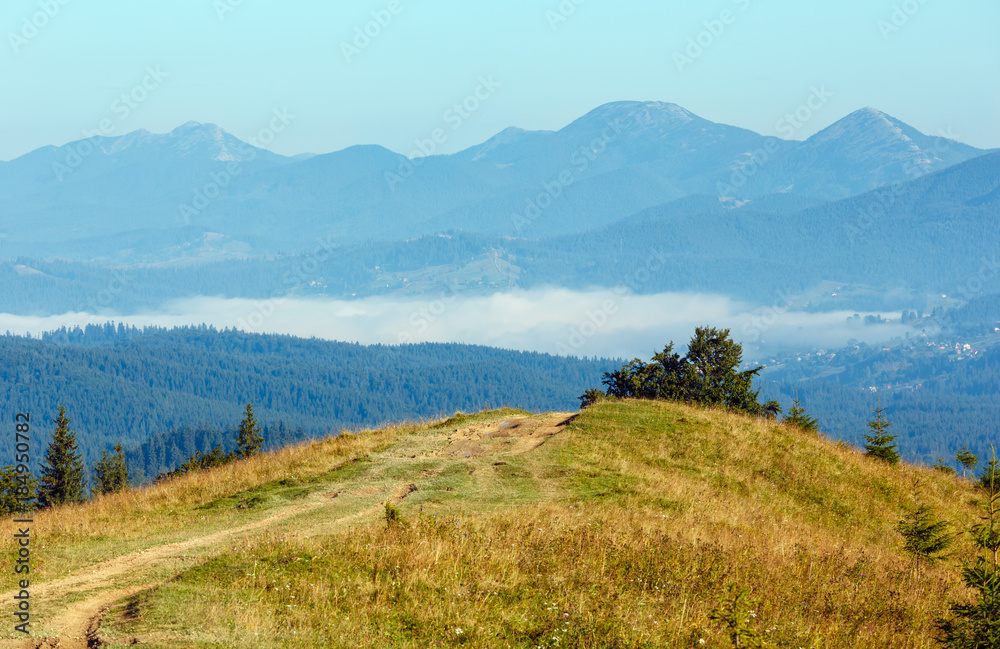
619 527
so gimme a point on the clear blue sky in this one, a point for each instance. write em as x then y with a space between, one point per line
233 62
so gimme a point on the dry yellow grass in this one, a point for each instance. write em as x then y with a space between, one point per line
624 530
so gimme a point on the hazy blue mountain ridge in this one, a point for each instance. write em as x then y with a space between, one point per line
211 196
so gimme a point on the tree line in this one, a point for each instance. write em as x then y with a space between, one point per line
63 479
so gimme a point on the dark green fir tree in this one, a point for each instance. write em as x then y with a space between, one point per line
63 478
249 440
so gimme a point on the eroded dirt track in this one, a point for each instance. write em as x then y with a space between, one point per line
511 436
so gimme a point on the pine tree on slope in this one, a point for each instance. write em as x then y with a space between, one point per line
880 443
798 416
249 440
62 473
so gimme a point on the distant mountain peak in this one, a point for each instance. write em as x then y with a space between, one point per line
188 126
206 141
868 122
869 111
639 114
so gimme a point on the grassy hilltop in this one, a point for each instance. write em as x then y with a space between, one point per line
621 527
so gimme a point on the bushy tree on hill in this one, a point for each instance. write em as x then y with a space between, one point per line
707 375
967 459
592 396
63 473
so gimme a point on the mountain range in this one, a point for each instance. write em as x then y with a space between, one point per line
201 193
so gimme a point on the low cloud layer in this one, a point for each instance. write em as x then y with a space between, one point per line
605 323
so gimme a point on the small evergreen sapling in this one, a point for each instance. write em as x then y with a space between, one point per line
924 536
735 612
393 517
797 416
880 443
991 475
